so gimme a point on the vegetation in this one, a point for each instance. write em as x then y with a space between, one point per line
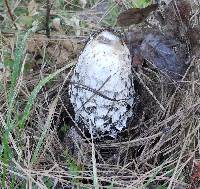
36 147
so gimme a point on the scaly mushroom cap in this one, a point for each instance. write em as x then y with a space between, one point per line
101 89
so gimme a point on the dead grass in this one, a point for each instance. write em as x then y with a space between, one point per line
38 148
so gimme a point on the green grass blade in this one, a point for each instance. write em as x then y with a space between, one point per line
6 153
34 93
15 71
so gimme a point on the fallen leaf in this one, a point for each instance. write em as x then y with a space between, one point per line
135 15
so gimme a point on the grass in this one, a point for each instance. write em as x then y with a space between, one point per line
162 150
10 124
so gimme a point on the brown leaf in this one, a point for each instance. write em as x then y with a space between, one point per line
135 15
36 44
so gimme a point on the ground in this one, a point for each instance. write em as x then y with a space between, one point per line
42 146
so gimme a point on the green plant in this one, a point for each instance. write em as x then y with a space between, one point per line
10 124
15 122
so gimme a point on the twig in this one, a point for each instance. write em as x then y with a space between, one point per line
96 92
10 13
150 92
47 19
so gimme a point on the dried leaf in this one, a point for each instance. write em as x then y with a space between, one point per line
71 45
157 50
59 54
135 15
36 44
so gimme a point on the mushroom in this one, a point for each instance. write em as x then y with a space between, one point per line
101 88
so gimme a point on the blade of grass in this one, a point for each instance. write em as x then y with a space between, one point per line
157 170
94 165
35 91
46 129
15 71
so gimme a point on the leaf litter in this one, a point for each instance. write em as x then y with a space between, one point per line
158 145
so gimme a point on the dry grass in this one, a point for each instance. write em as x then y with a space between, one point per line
38 148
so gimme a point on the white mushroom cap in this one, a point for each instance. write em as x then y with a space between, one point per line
104 66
